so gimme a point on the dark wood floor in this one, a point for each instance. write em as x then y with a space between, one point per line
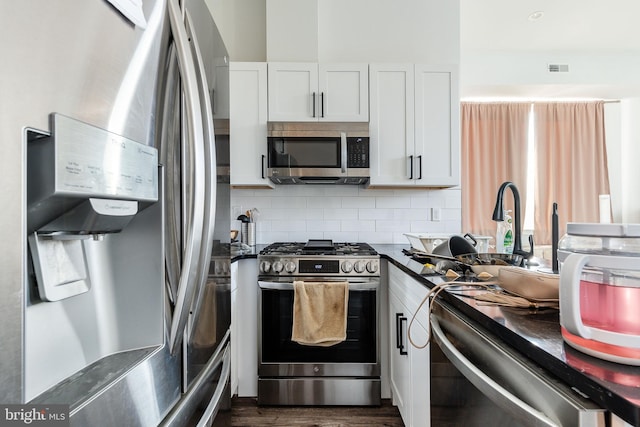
246 413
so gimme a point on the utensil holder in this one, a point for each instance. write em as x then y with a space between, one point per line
249 233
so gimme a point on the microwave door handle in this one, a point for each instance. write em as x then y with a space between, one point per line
313 103
343 152
411 167
263 160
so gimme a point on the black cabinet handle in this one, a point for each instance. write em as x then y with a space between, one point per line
411 167
263 160
420 164
403 352
398 330
322 104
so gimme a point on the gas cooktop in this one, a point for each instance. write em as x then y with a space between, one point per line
319 257
319 247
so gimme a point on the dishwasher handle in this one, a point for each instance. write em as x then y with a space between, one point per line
485 384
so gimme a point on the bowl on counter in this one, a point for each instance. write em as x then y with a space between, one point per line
534 285
426 242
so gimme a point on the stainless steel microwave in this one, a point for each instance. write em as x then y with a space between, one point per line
318 153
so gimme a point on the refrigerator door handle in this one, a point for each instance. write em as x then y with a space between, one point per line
169 156
209 171
190 272
214 404
190 401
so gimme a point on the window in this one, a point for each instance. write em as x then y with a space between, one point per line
552 152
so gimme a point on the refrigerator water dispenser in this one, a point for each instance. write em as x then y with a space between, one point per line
83 182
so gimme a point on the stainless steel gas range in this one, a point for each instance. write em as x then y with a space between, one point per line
347 373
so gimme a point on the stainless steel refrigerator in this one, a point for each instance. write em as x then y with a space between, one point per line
114 250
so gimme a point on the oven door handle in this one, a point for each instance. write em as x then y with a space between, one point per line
288 286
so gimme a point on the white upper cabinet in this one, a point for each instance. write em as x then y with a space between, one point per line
414 126
248 124
305 92
391 125
437 125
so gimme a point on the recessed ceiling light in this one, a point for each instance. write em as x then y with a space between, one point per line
536 15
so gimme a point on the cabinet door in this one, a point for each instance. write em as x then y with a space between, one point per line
344 92
391 124
247 327
399 380
419 361
410 373
234 329
248 124
293 91
437 125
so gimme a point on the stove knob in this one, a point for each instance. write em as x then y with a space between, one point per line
290 267
347 267
277 266
372 266
265 266
359 266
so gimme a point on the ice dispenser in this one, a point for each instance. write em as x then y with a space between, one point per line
82 182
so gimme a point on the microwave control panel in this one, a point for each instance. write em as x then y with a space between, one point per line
357 152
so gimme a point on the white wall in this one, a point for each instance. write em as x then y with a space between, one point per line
610 75
346 213
421 31
630 172
242 25
292 30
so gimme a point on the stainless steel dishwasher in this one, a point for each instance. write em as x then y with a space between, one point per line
476 380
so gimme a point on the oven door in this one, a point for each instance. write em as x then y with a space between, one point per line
358 355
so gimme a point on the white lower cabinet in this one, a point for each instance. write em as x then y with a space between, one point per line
409 365
244 326
234 329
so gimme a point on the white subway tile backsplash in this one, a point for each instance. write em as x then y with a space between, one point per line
289 225
342 236
358 225
375 213
393 202
340 213
347 213
359 202
323 225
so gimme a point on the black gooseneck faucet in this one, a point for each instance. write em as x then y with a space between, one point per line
498 215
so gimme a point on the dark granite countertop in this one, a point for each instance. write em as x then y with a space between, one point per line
536 334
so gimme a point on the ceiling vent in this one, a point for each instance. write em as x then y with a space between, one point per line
558 68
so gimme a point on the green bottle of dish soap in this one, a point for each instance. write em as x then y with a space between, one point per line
508 235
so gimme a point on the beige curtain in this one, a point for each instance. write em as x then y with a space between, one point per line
494 150
571 162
